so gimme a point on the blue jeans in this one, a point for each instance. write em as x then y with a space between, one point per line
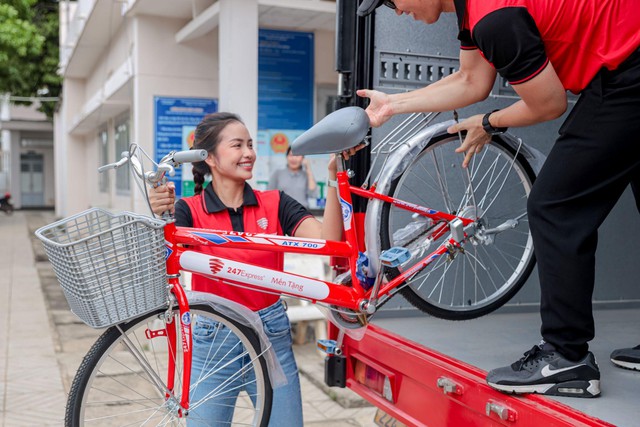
207 348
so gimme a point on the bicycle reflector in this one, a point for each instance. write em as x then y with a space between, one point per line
374 380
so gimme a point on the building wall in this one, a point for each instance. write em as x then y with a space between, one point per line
26 130
140 61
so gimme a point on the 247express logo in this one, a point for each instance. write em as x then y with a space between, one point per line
217 266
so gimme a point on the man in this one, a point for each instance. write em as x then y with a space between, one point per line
544 48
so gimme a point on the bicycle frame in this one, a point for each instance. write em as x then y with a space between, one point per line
265 279
299 286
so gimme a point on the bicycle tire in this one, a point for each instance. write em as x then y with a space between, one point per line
112 387
486 275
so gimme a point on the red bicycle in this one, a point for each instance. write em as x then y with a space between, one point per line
462 257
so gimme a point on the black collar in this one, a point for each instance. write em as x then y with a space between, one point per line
214 204
461 11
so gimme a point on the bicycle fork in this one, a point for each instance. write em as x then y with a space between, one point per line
170 334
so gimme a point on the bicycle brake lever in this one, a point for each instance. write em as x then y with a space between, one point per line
115 165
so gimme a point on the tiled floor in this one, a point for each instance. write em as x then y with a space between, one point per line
31 385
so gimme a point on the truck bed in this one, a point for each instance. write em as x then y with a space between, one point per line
501 338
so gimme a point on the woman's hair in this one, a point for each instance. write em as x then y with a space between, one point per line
207 137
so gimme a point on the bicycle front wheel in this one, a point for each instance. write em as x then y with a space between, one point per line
122 381
494 264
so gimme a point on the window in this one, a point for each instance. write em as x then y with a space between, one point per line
103 159
121 137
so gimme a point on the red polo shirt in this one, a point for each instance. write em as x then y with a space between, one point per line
579 37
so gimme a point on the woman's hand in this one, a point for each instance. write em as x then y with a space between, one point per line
475 140
379 109
351 151
162 198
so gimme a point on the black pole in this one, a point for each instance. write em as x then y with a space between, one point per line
354 62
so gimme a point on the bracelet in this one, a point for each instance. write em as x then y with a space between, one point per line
332 183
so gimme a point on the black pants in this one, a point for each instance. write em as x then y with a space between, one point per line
595 158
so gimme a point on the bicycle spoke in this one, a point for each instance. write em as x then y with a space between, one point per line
122 381
495 193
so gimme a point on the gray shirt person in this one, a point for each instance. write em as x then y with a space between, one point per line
296 179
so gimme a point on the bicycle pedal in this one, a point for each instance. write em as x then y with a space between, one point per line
395 256
327 346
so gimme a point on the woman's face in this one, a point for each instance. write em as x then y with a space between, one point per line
294 162
234 155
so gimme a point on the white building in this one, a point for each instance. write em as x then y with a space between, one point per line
121 58
26 155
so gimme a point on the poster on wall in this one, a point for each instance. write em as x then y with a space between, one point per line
175 121
285 102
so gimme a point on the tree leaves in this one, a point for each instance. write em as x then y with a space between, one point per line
29 49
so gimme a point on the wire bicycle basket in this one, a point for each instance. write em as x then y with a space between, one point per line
111 266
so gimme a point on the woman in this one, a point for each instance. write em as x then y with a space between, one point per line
296 179
229 203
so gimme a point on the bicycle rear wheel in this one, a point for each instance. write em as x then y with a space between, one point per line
122 380
493 267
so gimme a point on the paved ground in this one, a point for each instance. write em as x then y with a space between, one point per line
42 343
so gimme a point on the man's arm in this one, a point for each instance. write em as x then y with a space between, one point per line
471 84
542 98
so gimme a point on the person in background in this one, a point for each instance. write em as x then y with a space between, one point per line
229 203
296 179
543 49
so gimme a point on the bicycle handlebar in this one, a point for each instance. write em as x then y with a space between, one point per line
190 156
166 165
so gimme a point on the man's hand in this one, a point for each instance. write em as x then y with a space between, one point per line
379 109
475 140
162 198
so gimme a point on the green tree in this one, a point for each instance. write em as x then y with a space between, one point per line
29 50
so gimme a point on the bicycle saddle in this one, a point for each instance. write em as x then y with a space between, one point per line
339 131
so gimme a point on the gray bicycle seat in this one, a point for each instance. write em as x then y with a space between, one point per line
339 131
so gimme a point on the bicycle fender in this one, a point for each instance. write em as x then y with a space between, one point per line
401 158
248 318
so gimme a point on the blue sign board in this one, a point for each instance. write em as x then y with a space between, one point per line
286 78
175 120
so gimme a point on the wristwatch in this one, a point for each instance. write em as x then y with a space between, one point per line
489 128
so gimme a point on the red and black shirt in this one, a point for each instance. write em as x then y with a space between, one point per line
579 37
266 212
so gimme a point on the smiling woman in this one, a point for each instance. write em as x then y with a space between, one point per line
229 203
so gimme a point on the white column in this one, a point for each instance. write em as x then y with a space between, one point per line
71 184
238 59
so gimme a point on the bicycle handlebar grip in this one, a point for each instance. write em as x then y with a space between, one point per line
190 156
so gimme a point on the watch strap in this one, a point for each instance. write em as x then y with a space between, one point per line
489 128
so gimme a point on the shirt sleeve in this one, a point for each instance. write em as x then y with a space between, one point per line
466 42
183 214
509 39
291 213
